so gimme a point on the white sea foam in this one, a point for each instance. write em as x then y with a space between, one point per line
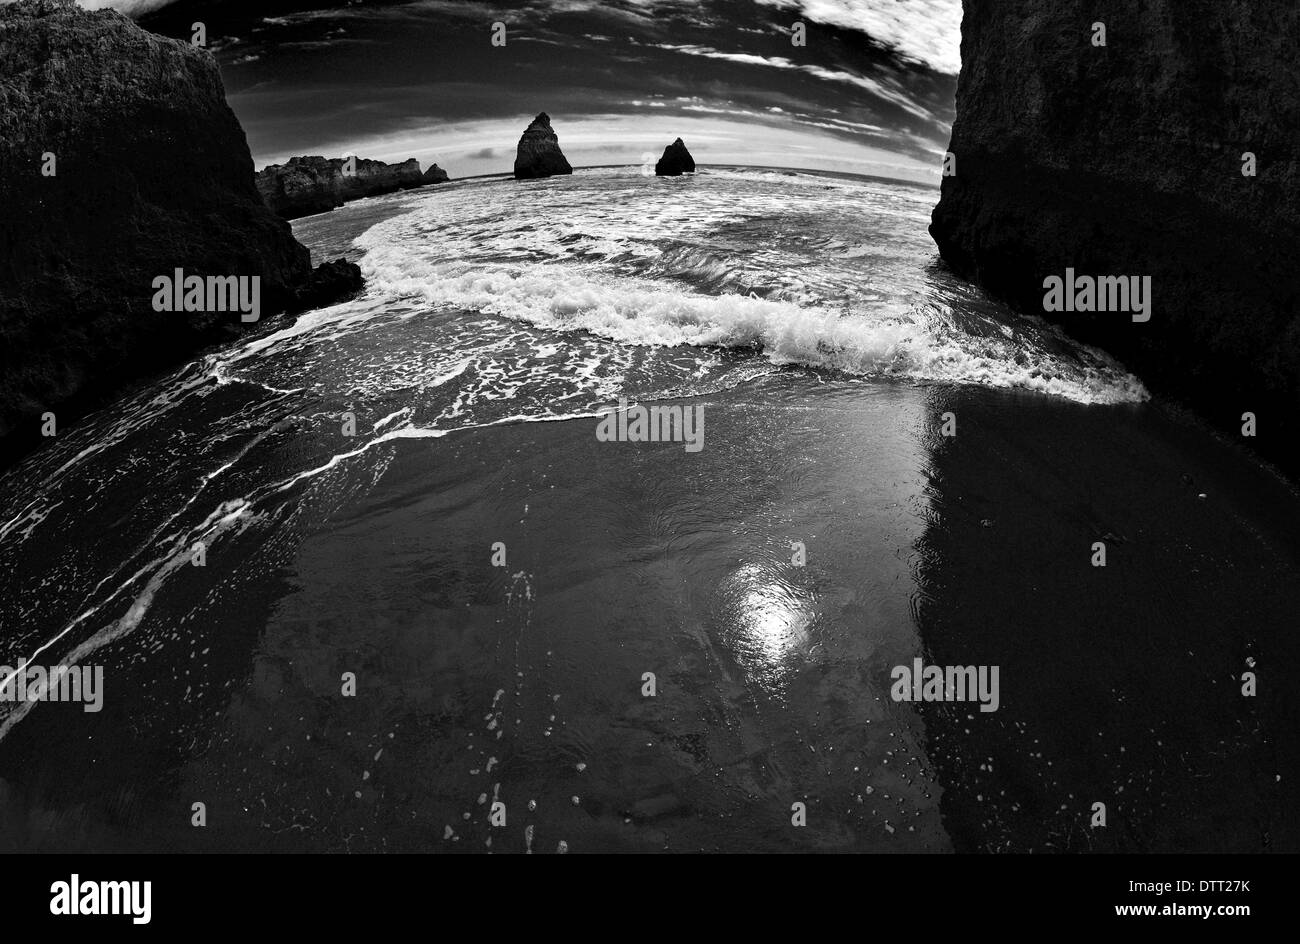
918 344
814 271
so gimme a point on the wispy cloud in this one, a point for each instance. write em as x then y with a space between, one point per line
925 31
126 7
895 96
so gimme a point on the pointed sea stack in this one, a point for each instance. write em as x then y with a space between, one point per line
539 151
676 161
435 175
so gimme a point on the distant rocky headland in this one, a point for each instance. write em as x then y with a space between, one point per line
122 164
307 185
539 153
1151 140
676 161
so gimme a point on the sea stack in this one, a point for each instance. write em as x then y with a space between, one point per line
435 175
1171 152
539 152
122 164
307 185
676 161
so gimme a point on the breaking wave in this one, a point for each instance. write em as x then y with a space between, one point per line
829 277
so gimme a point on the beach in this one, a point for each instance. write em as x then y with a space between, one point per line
355 665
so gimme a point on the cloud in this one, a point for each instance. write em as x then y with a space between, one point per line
132 8
925 31
894 96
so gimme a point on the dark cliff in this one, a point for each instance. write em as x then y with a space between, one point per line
307 185
676 161
1128 159
539 153
120 162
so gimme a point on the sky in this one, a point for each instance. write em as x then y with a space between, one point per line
871 91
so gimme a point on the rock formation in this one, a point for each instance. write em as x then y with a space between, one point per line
676 161
435 175
121 163
307 185
330 283
1171 152
539 152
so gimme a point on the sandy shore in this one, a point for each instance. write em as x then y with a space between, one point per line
525 684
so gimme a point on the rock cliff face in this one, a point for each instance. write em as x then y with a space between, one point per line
120 162
539 152
1127 159
307 185
676 161
435 175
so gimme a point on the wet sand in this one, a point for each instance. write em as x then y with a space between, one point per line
524 683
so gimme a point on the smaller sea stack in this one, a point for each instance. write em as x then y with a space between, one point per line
676 161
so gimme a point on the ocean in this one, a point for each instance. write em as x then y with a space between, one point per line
370 581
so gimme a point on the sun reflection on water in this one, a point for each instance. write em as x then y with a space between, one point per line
767 619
